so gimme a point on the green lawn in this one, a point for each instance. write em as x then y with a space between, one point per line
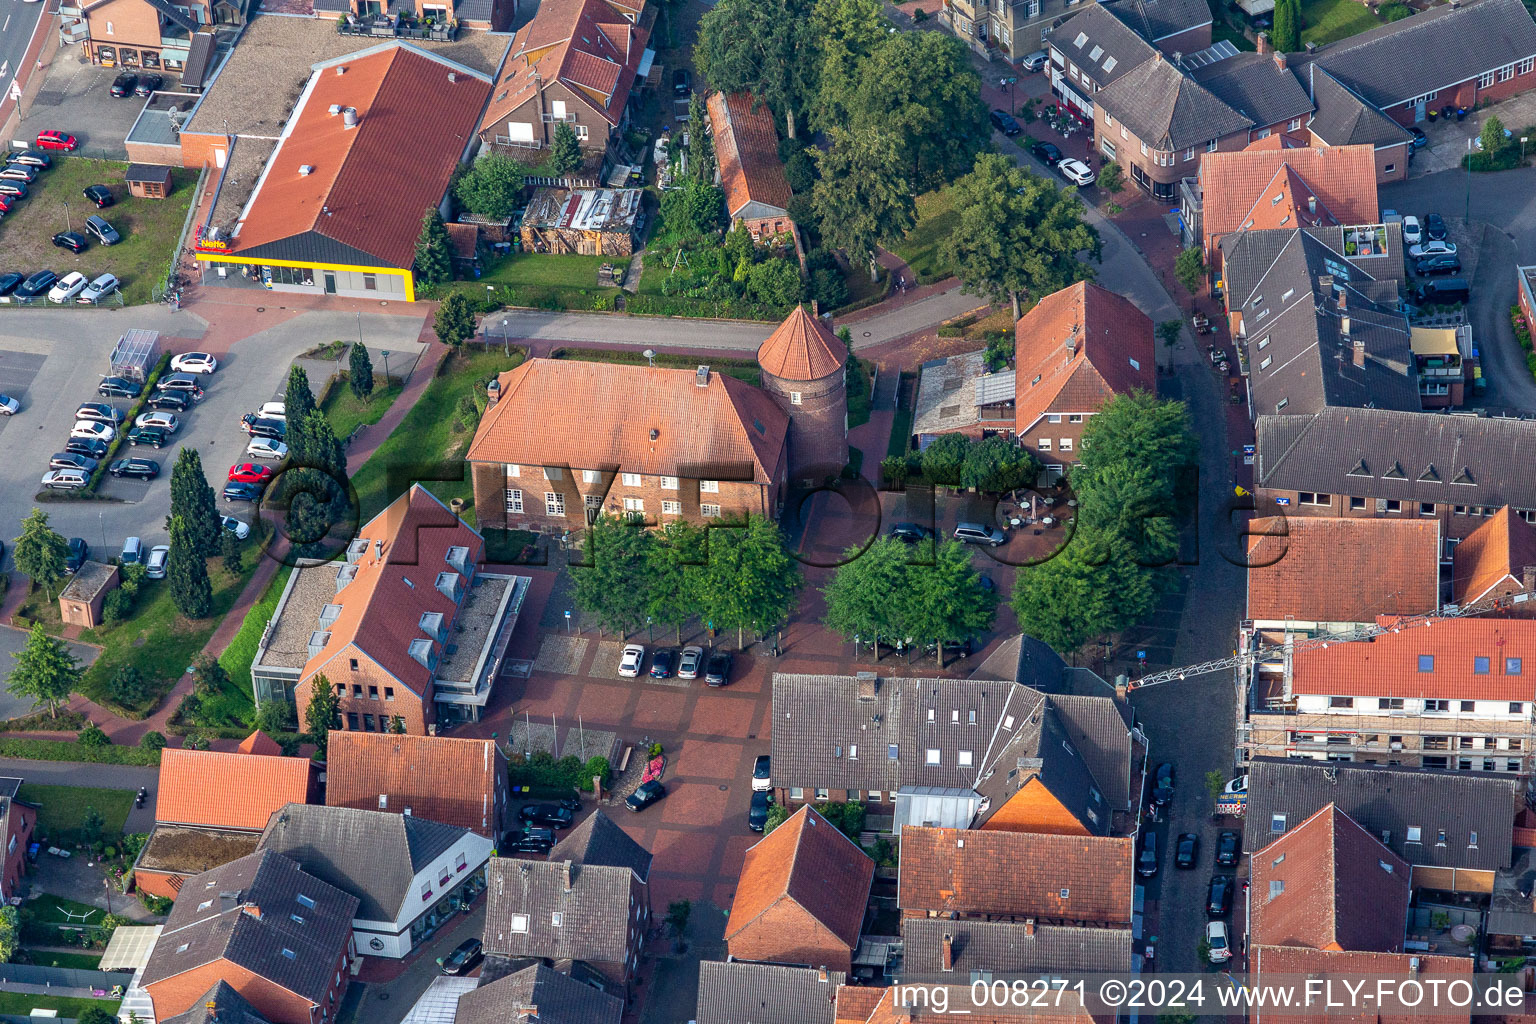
936 218
858 392
19 1004
61 808
54 958
51 909
544 282
150 227
347 412
435 433
741 369
1327 21
237 657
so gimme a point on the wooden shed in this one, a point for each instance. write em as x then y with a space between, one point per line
80 602
583 221
147 181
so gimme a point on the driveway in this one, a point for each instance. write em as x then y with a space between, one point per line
75 99
11 642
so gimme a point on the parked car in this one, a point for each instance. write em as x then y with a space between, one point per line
74 241
8 405
9 281
133 551
99 195
1219 903
14 189
147 84
1162 787
273 411
910 533
240 529
644 795
176 401
1146 862
194 362
266 448
36 285
1434 227
979 533
1237 785
1004 122
1445 292
78 551
124 84
65 479
101 412
1216 939
68 286
629 662
518 843
162 420
159 560
100 288
70 460
57 140
545 815
719 671
32 157
540 833
691 661
1035 61
103 232
1438 263
237 491
1229 846
134 466
682 82
24 173
1413 231
1187 851
1075 171
152 436
92 430
757 811
760 773
1420 140
89 447
463 958
258 427
1432 248
1047 152
661 664
250 473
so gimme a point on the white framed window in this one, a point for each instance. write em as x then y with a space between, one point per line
1485 80
1044 444
931 756
709 486
794 398
1075 417
1066 445
1210 147
1528 65
1264 363
1143 149
1189 154
519 923
634 504
554 503
592 501
630 479
1124 135
669 483
796 793
823 794
709 511
1054 417
671 508
964 758
581 133
514 471
514 500
590 476
1294 126
1506 72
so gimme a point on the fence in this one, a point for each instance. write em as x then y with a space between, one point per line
12 975
41 302
541 181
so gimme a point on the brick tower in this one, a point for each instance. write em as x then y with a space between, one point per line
803 370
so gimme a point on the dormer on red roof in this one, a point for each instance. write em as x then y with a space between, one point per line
259 742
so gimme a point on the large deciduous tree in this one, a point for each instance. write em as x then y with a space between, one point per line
751 579
765 47
675 562
40 552
864 195
45 670
612 586
1069 600
493 186
899 592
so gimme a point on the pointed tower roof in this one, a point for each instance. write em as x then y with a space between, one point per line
259 742
802 348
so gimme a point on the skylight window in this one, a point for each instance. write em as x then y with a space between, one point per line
1096 53
1082 37
1109 65
305 901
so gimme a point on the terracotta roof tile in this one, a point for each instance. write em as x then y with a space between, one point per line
408 771
368 184
1017 874
1494 558
1297 961
1390 665
1342 570
585 415
229 790
1235 184
259 742
747 148
802 348
1329 884
807 862
1113 352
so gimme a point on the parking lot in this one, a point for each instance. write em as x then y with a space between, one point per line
75 99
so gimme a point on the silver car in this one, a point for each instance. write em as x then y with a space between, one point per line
690 663
979 533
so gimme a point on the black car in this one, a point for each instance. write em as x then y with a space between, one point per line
1146 862
1220 902
74 241
1438 263
148 84
91 447
177 401
274 429
32 158
1162 789
1046 151
152 436
1434 227
144 469
519 843
540 833
463 958
548 815
1005 123
79 550
757 814
718 671
910 533
186 383
118 387
682 82
8 282
1229 845
662 663
72 460
644 795
124 84
100 195
37 284
14 189
238 491
1187 851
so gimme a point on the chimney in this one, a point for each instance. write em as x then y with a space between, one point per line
821 975
1264 44
1341 300
525 1012
341 69
1177 56
1279 59
1324 282
1359 352
253 909
869 685
701 377
565 875
492 393
349 117
1311 48
1528 578
452 77
1029 927
305 170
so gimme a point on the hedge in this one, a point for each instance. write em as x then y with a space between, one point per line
64 750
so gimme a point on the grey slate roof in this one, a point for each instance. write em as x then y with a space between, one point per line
334 843
1007 946
1293 324
1119 42
1344 118
1431 51
199 67
216 917
748 993
1167 109
1100 728
1040 748
1475 460
219 1005
1386 802
560 999
1159 19
1255 86
593 903
600 841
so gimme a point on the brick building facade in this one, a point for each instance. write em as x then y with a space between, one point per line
804 372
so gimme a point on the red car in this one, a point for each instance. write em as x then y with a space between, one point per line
250 473
56 140
6 202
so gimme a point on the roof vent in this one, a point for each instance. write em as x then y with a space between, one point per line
701 377
452 77
334 109
305 170
421 652
655 433
341 69
349 117
492 392
869 685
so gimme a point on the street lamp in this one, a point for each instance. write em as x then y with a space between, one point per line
66 216
1523 140
650 356
504 349
385 354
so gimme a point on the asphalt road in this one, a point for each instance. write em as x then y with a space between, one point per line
12 641
95 776
18 21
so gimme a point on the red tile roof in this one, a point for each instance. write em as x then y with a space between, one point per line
220 789
1329 884
558 412
408 772
1299 963
1493 559
1388 665
1112 353
802 348
368 185
747 151
1342 570
1236 185
259 742
1018 874
807 862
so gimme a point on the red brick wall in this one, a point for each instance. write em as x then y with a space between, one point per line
417 711
133 23
1031 434
786 934
1452 524
1128 152
23 820
1467 94
544 131
491 482
197 149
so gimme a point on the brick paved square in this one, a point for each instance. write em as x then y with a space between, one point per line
736 848
664 890
660 711
723 895
716 714
606 664
711 759
599 703
693 803
686 853
544 695
561 654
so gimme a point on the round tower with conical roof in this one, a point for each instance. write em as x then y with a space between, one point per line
803 368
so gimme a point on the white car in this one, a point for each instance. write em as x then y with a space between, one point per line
1237 785
266 448
272 411
1432 249
1216 938
194 362
1075 171
70 285
1413 231
159 558
691 662
66 479
629 664
9 406
236 527
100 288
90 430
166 421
